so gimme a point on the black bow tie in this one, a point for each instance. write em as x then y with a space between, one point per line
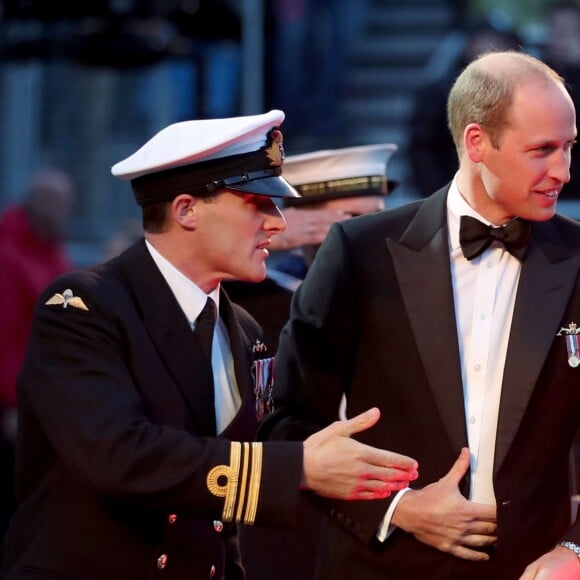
475 237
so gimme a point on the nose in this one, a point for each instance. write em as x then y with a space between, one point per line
561 167
274 221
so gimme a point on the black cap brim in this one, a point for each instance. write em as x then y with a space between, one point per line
274 186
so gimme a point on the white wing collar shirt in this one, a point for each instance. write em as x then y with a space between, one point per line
192 299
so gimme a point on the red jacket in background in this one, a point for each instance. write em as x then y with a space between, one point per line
28 263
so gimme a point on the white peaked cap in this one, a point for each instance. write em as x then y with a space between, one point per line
335 173
186 156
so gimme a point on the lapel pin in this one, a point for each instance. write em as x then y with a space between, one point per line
571 335
259 346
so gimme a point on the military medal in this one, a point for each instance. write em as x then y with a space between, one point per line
571 335
263 373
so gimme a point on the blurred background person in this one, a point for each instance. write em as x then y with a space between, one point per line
335 184
352 181
303 228
32 254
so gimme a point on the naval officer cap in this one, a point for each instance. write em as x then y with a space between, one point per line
338 173
200 157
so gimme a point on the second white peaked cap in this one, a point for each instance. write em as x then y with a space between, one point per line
241 153
334 173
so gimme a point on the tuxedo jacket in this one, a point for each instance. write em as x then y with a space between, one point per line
375 319
120 474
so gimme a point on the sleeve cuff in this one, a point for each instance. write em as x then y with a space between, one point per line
385 527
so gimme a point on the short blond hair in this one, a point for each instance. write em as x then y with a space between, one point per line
483 92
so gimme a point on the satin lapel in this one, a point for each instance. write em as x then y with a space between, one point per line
546 281
421 261
173 338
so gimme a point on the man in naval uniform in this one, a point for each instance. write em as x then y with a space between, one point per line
137 410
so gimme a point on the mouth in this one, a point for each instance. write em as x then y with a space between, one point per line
264 246
550 193
549 196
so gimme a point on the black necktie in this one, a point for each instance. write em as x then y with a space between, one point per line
204 326
475 236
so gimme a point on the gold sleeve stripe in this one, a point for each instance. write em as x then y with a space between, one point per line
230 489
235 458
243 478
255 482
243 482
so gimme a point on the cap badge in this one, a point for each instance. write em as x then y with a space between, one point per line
67 298
275 151
571 334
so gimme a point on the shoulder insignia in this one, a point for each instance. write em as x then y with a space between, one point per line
239 482
67 298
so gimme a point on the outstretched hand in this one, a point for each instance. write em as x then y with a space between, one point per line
439 516
339 467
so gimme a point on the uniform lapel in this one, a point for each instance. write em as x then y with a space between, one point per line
421 262
172 335
244 423
546 281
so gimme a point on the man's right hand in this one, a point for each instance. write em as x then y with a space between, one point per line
339 467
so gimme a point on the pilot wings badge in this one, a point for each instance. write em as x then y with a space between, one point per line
571 334
66 299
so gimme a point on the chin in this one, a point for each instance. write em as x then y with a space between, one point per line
255 277
545 215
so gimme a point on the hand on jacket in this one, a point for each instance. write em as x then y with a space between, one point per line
559 564
339 467
439 516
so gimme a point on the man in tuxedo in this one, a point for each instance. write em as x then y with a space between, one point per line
457 316
137 409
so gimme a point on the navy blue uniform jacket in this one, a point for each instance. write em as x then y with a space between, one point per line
120 475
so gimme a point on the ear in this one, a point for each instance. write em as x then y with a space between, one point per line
474 139
184 211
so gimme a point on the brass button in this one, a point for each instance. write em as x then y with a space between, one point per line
218 526
172 518
212 571
162 561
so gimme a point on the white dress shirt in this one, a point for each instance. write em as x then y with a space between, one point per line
484 293
191 298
